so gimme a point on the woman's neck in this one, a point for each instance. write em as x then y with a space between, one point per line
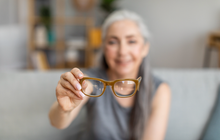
113 75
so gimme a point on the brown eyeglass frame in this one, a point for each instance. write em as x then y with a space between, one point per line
112 83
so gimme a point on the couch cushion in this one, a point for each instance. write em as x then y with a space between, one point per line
193 97
25 100
212 131
26 97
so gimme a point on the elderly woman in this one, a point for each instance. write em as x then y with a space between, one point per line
125 55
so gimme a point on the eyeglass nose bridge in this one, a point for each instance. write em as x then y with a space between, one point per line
109 83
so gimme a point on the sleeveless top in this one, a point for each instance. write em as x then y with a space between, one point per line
106 118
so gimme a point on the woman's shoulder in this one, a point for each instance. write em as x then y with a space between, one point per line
162 96
157 81
161 87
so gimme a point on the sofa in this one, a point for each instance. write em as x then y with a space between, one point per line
26 97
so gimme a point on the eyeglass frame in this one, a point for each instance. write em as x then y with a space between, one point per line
112 83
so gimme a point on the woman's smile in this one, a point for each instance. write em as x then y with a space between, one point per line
123 63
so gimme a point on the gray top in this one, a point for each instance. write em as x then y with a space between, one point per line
107 119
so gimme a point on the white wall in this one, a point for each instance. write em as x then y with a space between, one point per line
179 29
12 47
13 34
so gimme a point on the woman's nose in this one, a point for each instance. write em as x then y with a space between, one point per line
123 49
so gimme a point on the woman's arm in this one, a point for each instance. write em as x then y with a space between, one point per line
69 99
157 122
62 119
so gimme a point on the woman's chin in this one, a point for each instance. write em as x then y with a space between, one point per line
124 71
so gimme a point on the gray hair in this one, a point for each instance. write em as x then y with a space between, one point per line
125 14
141 109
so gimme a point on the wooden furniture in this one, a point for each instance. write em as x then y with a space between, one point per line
213 43
60 20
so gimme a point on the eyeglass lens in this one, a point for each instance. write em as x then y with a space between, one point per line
98 87
124 88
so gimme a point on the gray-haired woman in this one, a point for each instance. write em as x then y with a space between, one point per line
140 117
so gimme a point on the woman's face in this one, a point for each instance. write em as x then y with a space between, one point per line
124 47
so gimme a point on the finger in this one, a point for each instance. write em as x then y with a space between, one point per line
66 92
72 95
87 87
68 86
77 73
68 76
84 84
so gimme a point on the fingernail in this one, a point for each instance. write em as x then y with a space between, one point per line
80 75
81 94
78 86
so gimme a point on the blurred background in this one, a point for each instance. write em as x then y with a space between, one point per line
57 35
60 34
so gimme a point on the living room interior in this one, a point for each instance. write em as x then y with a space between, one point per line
41 39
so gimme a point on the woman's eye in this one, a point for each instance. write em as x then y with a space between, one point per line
112 42
132 42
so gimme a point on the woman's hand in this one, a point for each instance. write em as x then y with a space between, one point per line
70 99
68 90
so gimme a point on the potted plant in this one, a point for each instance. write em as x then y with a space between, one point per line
46 19
108 6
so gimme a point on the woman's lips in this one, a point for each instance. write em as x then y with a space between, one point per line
123 62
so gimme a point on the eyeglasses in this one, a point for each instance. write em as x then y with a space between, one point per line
122 88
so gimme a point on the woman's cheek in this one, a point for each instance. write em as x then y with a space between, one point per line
136 51
109 55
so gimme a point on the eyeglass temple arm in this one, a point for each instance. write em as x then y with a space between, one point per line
139 81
